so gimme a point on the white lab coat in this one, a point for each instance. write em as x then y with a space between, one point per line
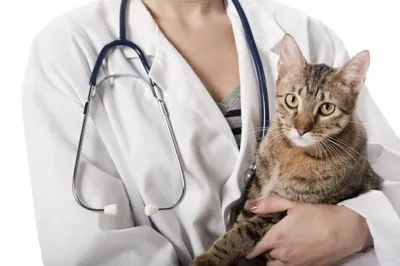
128 159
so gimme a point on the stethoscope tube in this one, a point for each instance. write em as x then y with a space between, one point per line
262 84
122 41
151 209
112 208
78 154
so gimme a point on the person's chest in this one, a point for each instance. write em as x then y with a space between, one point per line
208 46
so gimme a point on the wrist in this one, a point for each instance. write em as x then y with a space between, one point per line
358 233
366 237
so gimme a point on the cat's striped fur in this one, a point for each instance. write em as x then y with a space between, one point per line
328 166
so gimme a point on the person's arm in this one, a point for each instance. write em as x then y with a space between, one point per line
56 79
381 209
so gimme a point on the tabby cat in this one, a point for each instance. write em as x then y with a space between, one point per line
314 151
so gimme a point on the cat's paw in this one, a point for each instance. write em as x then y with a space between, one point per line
204 260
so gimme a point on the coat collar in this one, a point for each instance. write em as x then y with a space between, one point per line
262 19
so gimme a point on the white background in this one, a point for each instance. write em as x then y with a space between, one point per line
361 24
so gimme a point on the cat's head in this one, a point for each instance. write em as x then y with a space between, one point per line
316 101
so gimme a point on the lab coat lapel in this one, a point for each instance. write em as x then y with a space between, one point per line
180 84
170 70
267 35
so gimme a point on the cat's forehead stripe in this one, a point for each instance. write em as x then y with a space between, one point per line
322 96
316 78
301 90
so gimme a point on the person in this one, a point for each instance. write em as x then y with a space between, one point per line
199 58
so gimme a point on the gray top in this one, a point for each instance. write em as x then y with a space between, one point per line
231 109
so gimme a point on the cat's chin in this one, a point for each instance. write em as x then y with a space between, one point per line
305 141
301 143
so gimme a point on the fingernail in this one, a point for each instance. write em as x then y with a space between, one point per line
253 205
249 256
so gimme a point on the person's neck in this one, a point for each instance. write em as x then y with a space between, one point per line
184 10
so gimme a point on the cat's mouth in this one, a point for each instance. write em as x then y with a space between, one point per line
306 140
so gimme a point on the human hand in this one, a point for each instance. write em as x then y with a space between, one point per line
310 234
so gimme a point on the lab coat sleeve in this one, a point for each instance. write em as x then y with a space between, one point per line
68 234
380 208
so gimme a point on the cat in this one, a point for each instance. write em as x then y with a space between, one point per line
314 151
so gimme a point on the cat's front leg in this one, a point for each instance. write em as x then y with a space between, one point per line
237 242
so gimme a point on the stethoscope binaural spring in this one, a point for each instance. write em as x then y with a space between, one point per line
112 209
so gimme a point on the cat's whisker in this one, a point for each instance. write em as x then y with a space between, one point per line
260 128
256 130
320 149
337 144
321 144
335 156
331 156
349 147
276 138
357 121
275 133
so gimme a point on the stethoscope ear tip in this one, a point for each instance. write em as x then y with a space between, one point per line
150 209
111 209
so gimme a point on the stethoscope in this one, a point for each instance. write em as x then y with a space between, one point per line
112 209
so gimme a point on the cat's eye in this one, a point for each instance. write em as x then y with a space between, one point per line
327 108
292 101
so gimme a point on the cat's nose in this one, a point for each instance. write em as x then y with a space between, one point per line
303 123
302 131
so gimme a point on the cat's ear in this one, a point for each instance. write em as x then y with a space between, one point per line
291 60
354 72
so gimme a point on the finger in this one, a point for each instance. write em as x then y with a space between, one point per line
275 263
272 240
265 244
276 255
271 204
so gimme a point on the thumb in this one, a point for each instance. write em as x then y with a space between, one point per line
271 204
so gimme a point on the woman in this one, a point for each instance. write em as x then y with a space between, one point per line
199 57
